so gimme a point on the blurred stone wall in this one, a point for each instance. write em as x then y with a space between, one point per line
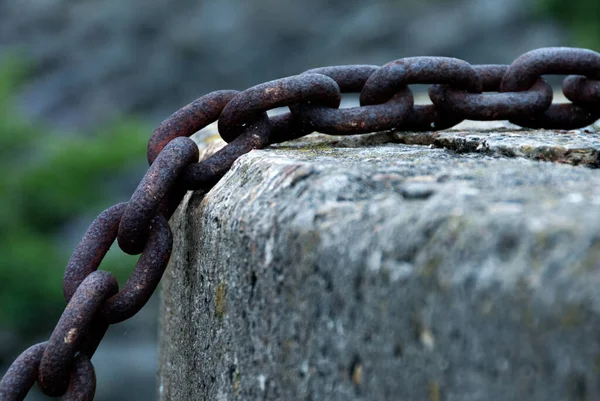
97 60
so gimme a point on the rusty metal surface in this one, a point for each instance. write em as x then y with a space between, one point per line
82 385
355 120
492 106
248 105
350 78
22 374
92 248
580 89
458 91
189 120
358 120
207 173
145 277
57 360
148 196
526 69
393 76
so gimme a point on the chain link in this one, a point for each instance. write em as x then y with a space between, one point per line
517 92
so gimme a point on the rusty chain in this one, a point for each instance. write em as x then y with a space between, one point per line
61 366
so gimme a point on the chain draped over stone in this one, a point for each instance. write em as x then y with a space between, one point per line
61 366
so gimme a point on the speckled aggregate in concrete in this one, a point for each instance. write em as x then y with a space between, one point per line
367 269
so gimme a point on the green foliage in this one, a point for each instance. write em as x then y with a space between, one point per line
581 17
46 181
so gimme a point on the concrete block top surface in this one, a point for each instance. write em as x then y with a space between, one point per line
458 265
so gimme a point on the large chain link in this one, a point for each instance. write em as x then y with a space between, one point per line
61 366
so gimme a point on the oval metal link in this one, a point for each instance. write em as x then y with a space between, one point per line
57 360
554 60
172 200
350 78
205 174
82 385
490 76
492 106
562 116
429 118
94 335
189 120
148 196
92 248
286 127
22 375
393 76
526 69
354 120
580 89
146 275
251 103
358 120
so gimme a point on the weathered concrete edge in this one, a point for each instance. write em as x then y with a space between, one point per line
316 148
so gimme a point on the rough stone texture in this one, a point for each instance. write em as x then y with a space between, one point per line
362 268
575 147
97 60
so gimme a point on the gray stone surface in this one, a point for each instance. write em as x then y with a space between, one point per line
362 268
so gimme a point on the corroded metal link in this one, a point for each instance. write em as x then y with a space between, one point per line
147 198
580 89
354 120
207 173
94 335
562 116
186 122
392 77
490 75
492 106
82 385
286 127
251 103
429 118
145 277
92 248
57 360
358 120
189 120
432 118
526 69
23 372
171 202
555 60
350 78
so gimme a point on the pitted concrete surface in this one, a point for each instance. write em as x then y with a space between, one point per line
368 268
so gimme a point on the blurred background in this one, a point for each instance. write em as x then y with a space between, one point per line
83 83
